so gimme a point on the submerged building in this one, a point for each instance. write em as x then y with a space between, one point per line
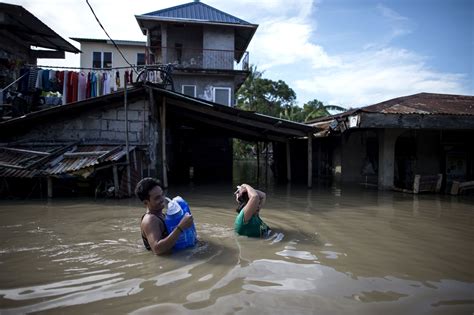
176 123
396 142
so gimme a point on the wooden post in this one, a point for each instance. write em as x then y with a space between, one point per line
163 142
416 184
258 162
116 182
50 187
439 182
129 180
310 160
266 163
288 161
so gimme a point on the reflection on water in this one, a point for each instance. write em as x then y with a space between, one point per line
331 251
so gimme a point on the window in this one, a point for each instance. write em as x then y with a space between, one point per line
140 59
189 90
101 59
221 95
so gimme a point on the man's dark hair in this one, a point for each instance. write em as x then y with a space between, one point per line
243 199
142 191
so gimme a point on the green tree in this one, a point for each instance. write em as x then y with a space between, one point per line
315 109
264 96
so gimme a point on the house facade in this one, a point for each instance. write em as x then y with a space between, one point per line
207 48
102 54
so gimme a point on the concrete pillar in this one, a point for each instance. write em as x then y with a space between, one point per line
387 139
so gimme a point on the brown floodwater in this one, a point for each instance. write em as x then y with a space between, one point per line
333 251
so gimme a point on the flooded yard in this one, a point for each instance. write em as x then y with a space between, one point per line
333 251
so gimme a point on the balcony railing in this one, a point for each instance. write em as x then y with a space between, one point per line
205 59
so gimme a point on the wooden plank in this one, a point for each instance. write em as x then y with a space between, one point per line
8 165
42 153
85 153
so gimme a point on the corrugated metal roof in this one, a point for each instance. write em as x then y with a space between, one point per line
31 30
197 11
421 104
428 104
21 163
425 103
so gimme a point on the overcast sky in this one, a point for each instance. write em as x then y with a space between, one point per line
344 52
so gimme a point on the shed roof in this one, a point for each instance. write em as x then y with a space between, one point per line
237 122
21 23
33 159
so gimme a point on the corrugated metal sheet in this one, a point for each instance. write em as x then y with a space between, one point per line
426 104
80 157
417 104
31 30
197 11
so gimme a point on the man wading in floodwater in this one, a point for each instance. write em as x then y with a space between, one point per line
248 221
154 234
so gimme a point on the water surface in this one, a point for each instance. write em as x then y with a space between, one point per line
334 251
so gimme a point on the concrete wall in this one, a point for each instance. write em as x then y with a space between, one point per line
218 38
190 36
205 84
99 125
222 39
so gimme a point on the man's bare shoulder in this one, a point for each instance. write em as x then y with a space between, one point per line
151 219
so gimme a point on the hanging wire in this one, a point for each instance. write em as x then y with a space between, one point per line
100 24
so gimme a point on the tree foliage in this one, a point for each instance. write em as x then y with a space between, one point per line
276 98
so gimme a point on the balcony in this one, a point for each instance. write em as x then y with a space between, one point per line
201 59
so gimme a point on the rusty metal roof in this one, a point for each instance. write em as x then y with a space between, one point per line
418 104
422 104
34 159
425 104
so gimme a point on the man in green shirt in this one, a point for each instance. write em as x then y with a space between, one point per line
248 221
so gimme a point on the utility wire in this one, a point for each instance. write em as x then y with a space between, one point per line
100 24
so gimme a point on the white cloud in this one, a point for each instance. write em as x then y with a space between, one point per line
284 42
378 75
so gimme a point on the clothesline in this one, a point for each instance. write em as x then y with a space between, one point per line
79 68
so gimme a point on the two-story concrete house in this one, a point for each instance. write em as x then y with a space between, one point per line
206 46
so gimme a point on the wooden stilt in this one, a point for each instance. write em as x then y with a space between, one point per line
116 182
50 187
288 161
